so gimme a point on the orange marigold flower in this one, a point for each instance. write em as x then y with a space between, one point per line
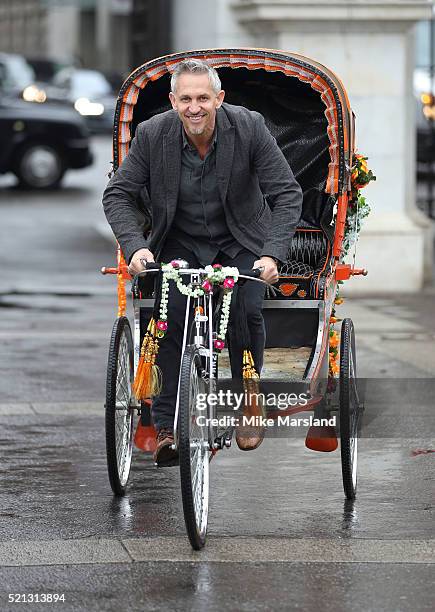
338 301
333 340
334 367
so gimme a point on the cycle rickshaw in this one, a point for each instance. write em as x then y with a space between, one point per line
307 110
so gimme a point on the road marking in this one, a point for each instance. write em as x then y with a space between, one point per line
16 409
61 408
100 336
220 550
62 552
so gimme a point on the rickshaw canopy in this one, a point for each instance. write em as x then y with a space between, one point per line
304 104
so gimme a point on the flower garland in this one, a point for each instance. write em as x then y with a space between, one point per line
148 378
216 275
357 210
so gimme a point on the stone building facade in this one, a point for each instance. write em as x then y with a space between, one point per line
93 33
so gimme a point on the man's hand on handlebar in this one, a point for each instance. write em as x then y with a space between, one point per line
270 270
136 264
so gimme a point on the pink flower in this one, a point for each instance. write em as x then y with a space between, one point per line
175 264
217 266
229 282
162 325
219 344
206 285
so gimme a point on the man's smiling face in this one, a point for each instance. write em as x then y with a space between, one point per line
196 103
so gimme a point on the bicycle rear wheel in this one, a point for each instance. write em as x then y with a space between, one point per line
194 449
119 412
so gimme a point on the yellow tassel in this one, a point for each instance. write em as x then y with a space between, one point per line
248 366
156 380
251 386
147 381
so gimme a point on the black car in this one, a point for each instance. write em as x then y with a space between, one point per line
39 142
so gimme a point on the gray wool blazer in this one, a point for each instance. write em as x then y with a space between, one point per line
262 200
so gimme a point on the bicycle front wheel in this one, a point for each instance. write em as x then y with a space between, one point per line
194 448
119 411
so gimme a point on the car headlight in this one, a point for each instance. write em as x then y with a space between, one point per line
87 108
428 102
34 94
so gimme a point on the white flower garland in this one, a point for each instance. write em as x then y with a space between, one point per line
215 275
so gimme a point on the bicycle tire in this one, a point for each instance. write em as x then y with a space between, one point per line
194 486
350 409
119 412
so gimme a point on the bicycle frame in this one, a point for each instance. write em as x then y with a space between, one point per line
203 313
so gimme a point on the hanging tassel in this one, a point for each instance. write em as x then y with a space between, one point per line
148 379
156 375
251 379
249 370
251 386
249 437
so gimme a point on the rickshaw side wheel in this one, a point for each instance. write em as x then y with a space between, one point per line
350 409
119 409
193 448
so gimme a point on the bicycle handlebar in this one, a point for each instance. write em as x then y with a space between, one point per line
251 274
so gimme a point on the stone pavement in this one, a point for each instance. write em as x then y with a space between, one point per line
282 535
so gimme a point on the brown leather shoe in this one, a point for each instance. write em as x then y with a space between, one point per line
249 437
165 455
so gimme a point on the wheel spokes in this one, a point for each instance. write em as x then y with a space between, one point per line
123 415
198 454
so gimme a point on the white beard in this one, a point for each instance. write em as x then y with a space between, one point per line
196 131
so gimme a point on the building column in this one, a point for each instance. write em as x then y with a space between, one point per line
371 48
62 32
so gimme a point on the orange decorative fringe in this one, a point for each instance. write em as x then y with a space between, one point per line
122 297
148 379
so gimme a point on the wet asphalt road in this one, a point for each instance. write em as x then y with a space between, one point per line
281 535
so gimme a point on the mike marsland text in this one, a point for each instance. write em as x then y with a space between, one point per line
260 421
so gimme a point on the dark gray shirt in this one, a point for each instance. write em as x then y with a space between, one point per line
199 222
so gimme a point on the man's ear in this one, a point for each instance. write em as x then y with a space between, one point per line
220 98
173 100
